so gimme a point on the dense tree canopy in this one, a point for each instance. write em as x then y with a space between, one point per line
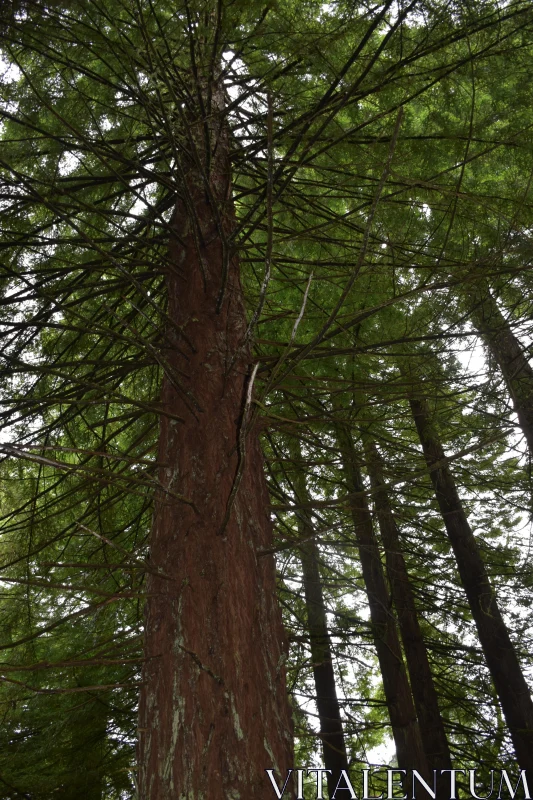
367 171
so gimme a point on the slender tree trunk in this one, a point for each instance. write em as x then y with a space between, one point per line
424 693
213 711
500 654
398 696
508 353
329 713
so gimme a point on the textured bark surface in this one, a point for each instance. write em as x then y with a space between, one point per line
424 694
507 352
500 654
329 713
214 713
405 729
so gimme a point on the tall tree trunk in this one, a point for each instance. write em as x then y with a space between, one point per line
213 711
329 713
425 696
507 351
500 654
398 696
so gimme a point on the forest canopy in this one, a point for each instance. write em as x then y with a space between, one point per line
266 393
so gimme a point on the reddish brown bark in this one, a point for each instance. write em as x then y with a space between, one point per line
214 713
500 655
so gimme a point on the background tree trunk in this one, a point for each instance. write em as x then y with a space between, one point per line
500 654
507 351
424 694
402 712
329 714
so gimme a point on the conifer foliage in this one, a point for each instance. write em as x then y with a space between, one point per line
266 392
